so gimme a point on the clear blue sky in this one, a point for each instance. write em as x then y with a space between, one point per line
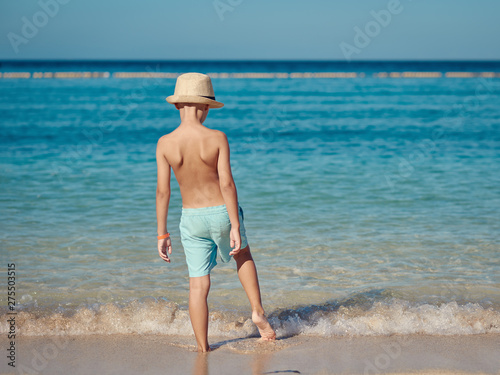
250 29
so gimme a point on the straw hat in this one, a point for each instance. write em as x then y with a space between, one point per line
194 88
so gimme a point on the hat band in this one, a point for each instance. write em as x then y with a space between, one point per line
208 97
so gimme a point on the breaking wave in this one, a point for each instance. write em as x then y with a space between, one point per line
340 318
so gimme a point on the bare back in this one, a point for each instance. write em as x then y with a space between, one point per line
192 150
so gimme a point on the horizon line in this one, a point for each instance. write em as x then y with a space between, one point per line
247 60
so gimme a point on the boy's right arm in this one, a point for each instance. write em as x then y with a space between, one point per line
162 201
228 191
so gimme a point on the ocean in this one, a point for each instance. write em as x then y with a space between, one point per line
371 194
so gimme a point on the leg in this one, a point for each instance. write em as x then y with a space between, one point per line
250 282
198 309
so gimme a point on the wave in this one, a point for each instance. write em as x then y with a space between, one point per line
158 316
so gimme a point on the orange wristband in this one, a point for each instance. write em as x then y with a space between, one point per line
164 236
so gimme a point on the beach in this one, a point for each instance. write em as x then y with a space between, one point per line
371 201
156 354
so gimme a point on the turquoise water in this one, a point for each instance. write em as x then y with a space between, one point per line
371 204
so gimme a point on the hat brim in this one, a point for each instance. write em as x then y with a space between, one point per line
175 99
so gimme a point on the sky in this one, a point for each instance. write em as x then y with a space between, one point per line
250 29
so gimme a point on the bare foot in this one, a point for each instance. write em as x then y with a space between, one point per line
200 350
266 331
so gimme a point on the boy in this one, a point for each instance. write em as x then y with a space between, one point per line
211 218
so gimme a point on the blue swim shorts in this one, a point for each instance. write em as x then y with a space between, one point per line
204 232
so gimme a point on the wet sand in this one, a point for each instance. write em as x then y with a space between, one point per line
155 354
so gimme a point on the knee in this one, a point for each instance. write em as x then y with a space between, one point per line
199 285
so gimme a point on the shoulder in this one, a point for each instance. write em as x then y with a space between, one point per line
165 139
219 135
163 142
214 136
221 140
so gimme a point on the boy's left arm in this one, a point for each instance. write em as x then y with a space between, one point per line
162 201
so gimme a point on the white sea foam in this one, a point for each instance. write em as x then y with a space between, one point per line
158 316
398 317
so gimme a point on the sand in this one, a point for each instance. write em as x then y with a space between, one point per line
155 354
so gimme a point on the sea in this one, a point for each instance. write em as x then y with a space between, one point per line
370 190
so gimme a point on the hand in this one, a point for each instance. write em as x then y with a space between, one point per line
235 242
165 245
